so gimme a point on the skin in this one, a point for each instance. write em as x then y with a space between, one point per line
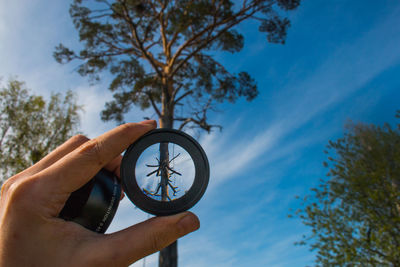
32 235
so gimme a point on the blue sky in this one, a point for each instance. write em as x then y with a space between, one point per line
341 62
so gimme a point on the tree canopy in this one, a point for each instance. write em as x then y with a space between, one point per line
161 53
355 213
31 127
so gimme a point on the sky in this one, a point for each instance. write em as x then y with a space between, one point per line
340 63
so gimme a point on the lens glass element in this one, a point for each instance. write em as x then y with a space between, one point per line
165 171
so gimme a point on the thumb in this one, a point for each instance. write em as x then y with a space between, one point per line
133 243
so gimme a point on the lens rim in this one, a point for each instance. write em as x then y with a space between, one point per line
148 204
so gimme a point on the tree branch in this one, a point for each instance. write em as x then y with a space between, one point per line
153 104
202 125
183 96
163 34
139 44
210 28
199 118
207 41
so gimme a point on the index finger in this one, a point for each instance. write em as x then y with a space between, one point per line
79 166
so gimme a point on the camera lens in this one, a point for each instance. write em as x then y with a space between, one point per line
94 205
165 172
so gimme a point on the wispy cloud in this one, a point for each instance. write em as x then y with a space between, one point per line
229 158
92 99
244 237
300 102
26 44
27 40
350 68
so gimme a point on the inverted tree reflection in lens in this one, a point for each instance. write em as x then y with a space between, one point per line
165 171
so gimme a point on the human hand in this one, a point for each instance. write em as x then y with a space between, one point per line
31 234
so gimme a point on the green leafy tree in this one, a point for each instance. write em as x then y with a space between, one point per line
30 127
161 56
355 213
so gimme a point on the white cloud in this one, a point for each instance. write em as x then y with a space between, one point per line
300 102
29 31
93 98
228 158
27 39
350 68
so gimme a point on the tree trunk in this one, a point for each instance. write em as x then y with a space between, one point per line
168 256
164 161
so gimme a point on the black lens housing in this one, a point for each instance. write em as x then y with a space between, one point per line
94 205
142 200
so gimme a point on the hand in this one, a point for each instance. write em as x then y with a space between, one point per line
31 234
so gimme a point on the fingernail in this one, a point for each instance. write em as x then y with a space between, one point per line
189 223
152 122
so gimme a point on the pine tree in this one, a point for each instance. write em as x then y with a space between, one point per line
161 56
